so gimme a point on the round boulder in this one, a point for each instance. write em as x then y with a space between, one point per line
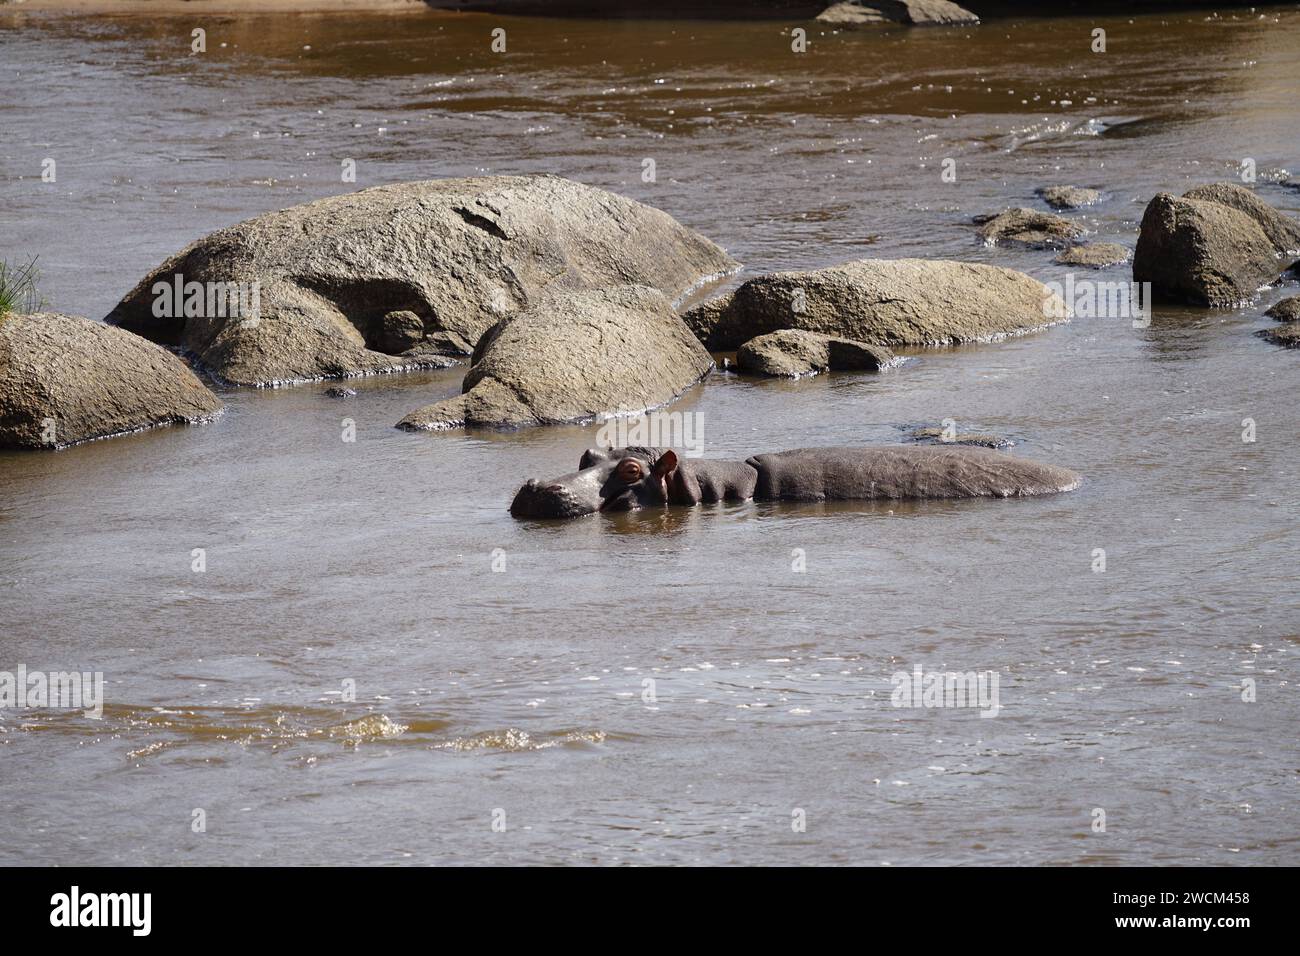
66 379
574 357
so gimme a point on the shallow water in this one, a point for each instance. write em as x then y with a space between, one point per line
522 691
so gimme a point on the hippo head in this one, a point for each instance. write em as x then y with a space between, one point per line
607 479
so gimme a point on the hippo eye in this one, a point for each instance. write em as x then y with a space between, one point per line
629 469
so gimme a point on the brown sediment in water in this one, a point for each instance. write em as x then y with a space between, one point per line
726 685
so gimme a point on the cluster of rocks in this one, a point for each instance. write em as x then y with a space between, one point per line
1287 312
1035 229
564 298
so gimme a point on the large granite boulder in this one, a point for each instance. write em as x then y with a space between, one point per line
793 353
889 302
573 357
1216 246
66 379
401 276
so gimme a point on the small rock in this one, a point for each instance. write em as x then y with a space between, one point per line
1068 197
338 391
982 439
1029 228
1286 335
916 12
1288 310
398 331
792 353
1094 255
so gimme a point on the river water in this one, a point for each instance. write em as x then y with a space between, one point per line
660 688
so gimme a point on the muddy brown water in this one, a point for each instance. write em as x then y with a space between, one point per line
524 690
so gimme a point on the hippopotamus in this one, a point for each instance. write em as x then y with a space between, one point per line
622 479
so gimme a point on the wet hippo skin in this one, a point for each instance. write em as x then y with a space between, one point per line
621 479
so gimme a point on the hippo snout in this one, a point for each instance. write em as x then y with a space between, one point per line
551 500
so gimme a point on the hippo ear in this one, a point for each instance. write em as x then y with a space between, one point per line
666 464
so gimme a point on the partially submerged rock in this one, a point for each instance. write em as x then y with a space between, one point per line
945 436
1286 335
917 12
791 353
1216 246
1094 255
1029 228
66 379
574 357
1287 310
402 276
889 302
1068 197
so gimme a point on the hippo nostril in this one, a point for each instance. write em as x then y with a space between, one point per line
554 489
531 483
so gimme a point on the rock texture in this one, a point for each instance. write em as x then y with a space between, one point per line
1215 246
1029 228
1094 255
889 302
1068 197
792 353
400 276
1287 310
916 12
66 379
1286 335
572 357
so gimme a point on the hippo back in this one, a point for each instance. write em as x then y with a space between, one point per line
902 471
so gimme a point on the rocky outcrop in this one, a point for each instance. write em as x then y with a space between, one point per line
1215 246
66 379
1094 255
1287 310
403 276
860 13
792 353
889 302
1068 197
573 357
1027 227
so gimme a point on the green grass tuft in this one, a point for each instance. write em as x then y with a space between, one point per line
18 292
